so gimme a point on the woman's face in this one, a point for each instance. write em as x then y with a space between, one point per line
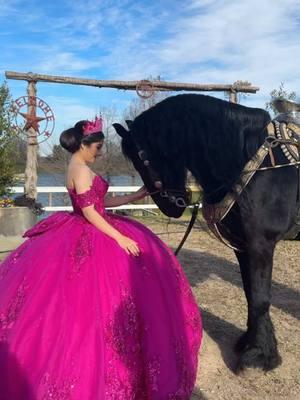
92 151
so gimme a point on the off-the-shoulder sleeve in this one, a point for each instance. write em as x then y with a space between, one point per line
87 198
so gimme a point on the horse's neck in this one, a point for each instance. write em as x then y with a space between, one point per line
212 170
213 188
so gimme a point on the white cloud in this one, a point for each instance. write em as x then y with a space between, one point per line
205 41
64 62
258 41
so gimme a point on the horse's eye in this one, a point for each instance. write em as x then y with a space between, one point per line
142 155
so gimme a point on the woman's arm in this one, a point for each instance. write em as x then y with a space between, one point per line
100 223
82 184
125 199
127 244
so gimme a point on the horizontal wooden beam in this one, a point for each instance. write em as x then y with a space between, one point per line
133 85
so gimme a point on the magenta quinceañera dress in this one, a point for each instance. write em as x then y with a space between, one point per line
80 319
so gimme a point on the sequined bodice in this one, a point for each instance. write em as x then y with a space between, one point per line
94 195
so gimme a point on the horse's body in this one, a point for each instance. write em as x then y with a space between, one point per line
214 139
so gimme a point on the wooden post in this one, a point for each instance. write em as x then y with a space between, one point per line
32 149
233 96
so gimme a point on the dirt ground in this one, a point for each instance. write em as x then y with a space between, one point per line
214 276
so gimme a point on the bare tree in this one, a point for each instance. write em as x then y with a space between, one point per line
140 104
280 93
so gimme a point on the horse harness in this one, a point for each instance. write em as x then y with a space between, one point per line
285 135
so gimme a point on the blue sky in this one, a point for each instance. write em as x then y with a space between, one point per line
201 41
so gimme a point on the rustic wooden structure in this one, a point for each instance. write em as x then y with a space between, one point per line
153 85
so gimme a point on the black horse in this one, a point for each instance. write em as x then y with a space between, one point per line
214 139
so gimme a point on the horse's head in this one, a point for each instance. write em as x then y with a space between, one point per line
163 175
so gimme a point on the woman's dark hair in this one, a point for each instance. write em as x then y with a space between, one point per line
72 138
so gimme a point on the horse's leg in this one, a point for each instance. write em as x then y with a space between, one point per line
243 259
260 345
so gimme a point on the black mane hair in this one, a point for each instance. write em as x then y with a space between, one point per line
178 123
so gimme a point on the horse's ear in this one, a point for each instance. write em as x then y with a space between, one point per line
129 123
121 130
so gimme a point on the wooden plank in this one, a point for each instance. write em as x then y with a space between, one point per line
132 85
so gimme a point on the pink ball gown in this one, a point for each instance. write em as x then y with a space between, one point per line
82 320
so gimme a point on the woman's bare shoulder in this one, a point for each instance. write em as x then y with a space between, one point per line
79 175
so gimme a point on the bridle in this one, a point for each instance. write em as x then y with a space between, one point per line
166 193
170 194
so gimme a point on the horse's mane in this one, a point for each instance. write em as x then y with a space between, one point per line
212 134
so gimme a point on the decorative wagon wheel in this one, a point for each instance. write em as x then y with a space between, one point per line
25 121
145 89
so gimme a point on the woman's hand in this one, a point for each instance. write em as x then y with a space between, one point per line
129 245
141 193
126 198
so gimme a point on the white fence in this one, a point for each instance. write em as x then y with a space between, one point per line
112 189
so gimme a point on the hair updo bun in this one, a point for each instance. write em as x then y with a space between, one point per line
72 138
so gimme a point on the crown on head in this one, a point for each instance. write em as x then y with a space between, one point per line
93 126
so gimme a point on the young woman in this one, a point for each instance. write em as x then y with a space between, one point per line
94 306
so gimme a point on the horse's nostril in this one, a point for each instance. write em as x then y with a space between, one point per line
146 163
158 184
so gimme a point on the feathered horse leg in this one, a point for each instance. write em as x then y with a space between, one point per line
258 346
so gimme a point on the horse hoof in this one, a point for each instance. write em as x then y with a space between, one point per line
249 373
255 358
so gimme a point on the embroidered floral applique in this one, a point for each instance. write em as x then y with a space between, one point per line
123 334
153 370
87 198
82 250
124 325
11 314
93 196
186 373
58 390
